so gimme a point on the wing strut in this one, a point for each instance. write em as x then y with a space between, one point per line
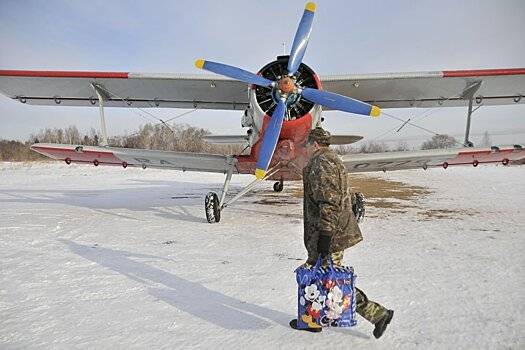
468 94
102 95
227 181
251 185
213 206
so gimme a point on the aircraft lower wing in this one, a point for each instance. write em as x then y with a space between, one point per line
388 161
386 90
243 139
344 139
136 157
226 139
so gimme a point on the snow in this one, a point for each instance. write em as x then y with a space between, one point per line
98 258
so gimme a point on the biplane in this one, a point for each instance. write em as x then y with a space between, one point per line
282 102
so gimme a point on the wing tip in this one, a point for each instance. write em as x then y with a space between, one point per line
375 112
259 173
199 63
310 6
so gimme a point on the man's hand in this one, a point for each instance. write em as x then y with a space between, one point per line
323 245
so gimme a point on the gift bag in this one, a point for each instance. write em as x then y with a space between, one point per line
326 296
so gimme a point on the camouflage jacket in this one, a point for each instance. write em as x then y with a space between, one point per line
327 206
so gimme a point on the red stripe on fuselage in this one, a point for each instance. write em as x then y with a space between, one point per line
62 74
482 72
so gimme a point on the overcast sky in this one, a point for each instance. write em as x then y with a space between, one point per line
347 37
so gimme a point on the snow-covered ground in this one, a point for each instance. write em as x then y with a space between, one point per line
112 258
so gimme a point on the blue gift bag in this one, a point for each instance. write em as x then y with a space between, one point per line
326 296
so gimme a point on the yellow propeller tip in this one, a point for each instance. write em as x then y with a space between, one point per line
310 6
199 63
375 112
259 173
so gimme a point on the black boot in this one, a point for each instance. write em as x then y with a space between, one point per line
382 323
293 324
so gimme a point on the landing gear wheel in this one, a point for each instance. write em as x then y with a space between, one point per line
211 207
278 186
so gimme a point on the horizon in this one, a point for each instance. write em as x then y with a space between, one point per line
422 36
412 143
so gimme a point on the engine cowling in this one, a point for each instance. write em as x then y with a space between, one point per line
297 107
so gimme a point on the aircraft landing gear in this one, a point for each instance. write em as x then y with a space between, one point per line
212 207
278 186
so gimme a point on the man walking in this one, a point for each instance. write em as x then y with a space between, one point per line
330 225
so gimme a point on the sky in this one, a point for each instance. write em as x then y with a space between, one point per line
348 37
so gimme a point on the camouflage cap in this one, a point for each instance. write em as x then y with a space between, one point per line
320 135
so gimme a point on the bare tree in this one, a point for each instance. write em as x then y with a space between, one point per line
402 146
16 151
182 138
486 140
345 149
71 135
440 141
373 147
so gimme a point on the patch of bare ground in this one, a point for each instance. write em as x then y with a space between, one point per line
431 214
395 196
382 193
399 196
269 197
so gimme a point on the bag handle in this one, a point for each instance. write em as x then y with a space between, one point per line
317 267
320 259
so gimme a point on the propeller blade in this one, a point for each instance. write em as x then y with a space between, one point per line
271 135
340 102
233 72
301 38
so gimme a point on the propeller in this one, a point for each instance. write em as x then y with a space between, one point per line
287 86
271 135
301 39
340 102
233 72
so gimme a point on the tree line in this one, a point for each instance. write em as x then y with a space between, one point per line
182 138
437 141
177 137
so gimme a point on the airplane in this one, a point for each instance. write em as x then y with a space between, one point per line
282 102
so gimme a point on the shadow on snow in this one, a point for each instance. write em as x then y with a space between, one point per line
190 297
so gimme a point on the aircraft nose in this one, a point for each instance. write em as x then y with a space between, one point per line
286 85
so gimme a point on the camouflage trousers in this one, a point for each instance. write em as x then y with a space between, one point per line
368 309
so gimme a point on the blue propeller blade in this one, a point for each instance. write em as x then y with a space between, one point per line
340 102
233 72
271 135
301 39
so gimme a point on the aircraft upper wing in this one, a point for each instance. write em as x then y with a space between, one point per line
136 157
389 90
387 161
431 89
124 89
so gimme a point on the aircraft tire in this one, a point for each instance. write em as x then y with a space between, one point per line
211 207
